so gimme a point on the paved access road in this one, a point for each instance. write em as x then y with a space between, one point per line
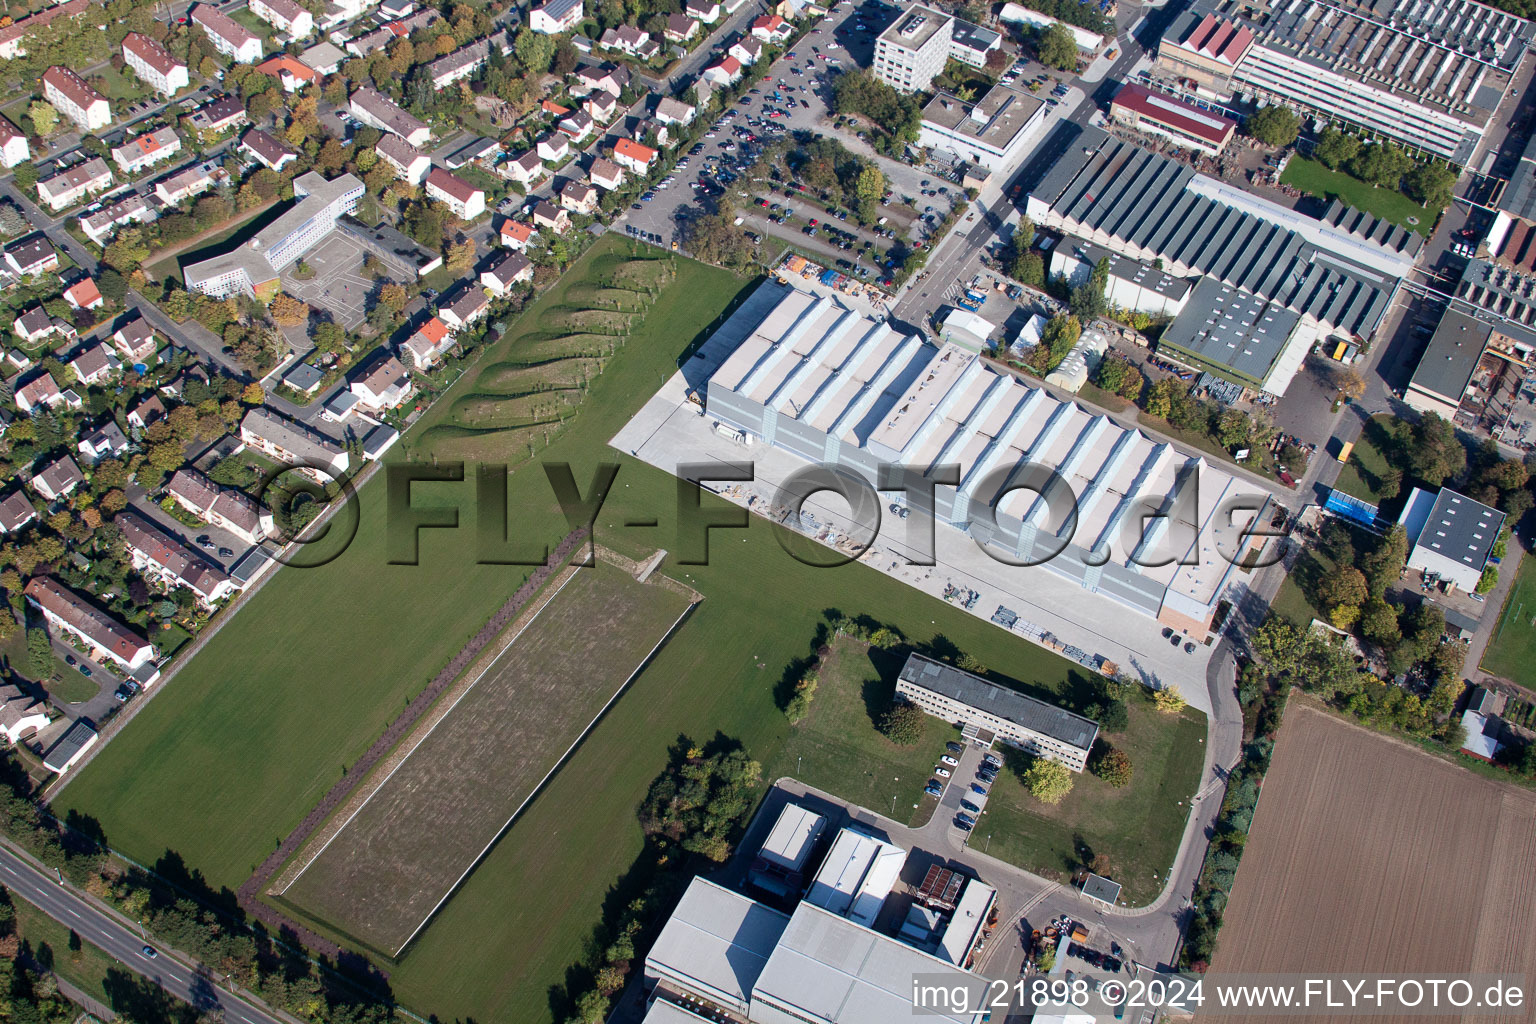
120 941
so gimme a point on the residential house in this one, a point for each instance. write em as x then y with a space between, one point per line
270 151
291 73
546 215
106 441
36 324
396 8
95 364
516 235
526 170
223 507
427 346
609 77
374 108
42 392
467 59
338 407
227 35
723 72
58 479
324 58
794 10
632 156
652 132
73 185
771 28
304 378
363 45
31 256
511 269
153 63
105 637
75 99
553 148
601 106
707 11
465 200
13 145
409 163
220 115
100 226
746 50
680 28
625 39
671 111
553 109
555 16
20 713
146 412
470 305
136 340
382 385
16 511
193 181
13 37
577 125
605 174
293 444
146 150
84 294
162 557
284 15
578 197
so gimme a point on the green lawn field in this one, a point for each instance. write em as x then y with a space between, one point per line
1511 651
1312 177
1361 476
244 740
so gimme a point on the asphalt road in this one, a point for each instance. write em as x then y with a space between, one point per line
192 984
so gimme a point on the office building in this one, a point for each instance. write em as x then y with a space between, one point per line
820 380
857 875
153 63
989 132
1451 536
910 52
1427 75
72 97
228 36
971 44
253 268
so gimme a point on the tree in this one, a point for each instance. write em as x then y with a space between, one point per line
1047 781
1168 700
1378 623
461 256
1383 564
1274 125
39 654
44 118
1381 164
1029 269
1436 454
288 311
535 51
1057 48
1344 585
254 394
1431 184
392 297
902 724
25 175
800 701
1351 385
1114 767
1336 149
1234 429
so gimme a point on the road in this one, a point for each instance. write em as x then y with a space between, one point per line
191 983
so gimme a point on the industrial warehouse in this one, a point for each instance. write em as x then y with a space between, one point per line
828 384
1149 207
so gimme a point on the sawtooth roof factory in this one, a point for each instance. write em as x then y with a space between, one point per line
1339 275
828 384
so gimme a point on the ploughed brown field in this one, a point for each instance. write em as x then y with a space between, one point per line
1367 855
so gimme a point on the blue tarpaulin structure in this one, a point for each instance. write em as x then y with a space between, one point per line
830 277
1351 508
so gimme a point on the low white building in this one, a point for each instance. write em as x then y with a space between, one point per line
383 385
1450 535
73 185
555 16
991 131
511 269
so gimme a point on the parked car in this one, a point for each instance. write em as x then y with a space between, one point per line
942 773
946 758
933 789
970 806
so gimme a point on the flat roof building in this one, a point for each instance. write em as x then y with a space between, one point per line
913 49
1034 726
826 383
989 131
857 875
1445 373
715 945
1451 535
1238 337
967 924
789 844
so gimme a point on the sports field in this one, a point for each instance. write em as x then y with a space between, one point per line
1369 855
244 741
1511 651
399 854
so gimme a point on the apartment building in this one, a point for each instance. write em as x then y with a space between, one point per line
13 145
100 226
73 185
76 100
223 507
410 163
1034 726
13 37
556 16
374 108
153 63
466 201
68 612
146 150
162 557
228 36
293 444
285 16
193 181
913 49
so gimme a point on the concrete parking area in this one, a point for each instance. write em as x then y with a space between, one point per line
337 284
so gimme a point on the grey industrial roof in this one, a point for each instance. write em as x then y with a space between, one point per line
1505 291
1446 366
1519 196
1460 529
1046 719
1373 228
75 739
973 37
1145 275
996 118
1229 328
1110 185
718 939
914 27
